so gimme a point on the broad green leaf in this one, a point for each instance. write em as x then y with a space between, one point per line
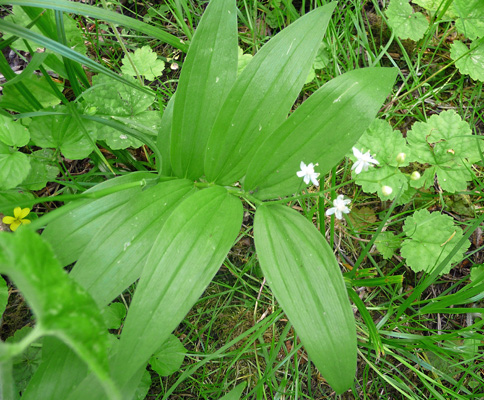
121 102
387 243
52 380
187 253
63 309
263 95
235 393
13 133
446 143
70 233
303 274
208 74
406 23
472 63
100 13
431 237
38 86
438 5
163 140
25 364
169 358
61 132
146 62
477 272
385 145
110 97
43 170
375 178
124 242
113 315
471 18
14 167
322 130
3 296
9 199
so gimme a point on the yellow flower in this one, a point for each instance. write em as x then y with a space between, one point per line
18 218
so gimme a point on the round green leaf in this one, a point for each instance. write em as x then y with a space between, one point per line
13 133
14 167
169 358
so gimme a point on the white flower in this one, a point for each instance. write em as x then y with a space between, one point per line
386 190
308 174
363 161
401 158
340 207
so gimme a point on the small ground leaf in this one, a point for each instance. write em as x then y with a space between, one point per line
471 18
471 64
146 62
14 167
406 23
169 358
13 133
431 237
386 244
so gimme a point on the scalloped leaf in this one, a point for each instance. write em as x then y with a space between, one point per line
471 64
446 143
13 133
406 23
431 238
14 167
146 62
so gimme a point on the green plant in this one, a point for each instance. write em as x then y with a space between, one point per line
173 229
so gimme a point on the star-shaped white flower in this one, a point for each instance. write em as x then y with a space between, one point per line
308 174
340 207
363 161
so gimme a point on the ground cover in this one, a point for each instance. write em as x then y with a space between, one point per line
406 232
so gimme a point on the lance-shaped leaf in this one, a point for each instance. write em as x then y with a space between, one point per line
124 243
70 233
263 95
163 138
63 309
303 274
187 253
207 75
321 130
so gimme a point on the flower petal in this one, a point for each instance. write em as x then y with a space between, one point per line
8 220
330 211
26 221
17 211
24 213
15 225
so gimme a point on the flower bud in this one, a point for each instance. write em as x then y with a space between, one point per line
401 158
415 176
91 110
386 190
